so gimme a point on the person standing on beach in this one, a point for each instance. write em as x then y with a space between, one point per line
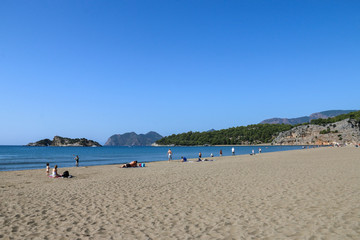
220 153
170 155
259 150
233 151
77 160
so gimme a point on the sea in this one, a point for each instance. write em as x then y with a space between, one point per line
24 157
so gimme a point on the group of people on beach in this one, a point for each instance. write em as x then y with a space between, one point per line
55 173
170 154
134 163
183 159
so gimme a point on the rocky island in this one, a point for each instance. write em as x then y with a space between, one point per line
133 139
65 142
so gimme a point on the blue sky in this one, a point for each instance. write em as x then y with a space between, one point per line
97 68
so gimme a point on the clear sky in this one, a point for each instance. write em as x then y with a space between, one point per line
97 68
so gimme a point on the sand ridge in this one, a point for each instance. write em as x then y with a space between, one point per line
302 194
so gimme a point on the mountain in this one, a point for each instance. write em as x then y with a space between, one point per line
306 119
65 142
133 139
346 131
329 114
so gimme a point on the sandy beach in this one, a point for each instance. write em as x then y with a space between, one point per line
302 194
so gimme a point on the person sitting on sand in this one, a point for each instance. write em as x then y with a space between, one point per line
54 172
47 169
131 164
183 159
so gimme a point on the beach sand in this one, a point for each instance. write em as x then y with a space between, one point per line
302 194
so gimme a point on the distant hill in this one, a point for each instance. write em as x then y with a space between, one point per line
65 142
133 139
342 129
306 119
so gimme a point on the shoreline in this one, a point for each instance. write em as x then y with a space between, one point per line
41 155
313 193
247 145
160 161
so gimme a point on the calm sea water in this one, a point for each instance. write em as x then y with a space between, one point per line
23 157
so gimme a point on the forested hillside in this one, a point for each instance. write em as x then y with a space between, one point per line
252 134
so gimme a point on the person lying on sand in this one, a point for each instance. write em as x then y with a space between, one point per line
131 164
203 160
